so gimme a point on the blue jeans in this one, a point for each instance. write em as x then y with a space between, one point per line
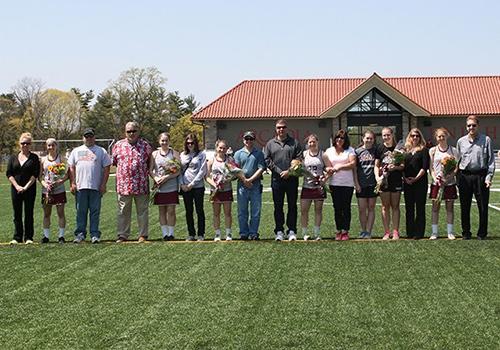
88 202
253 196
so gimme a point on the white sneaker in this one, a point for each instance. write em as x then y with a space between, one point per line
13 242
433 236
95 240
291 237
279 236
451 236
306 237
217 238
229 238
78 238
318 238
28 241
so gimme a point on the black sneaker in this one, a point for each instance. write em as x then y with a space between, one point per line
45 240
61 240
244 238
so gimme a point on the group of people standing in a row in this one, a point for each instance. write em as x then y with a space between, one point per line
369 171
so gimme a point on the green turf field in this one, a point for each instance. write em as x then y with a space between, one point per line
357 294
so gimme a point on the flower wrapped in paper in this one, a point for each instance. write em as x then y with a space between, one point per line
298 169
229 172
55 173
396 158
448 166
171 166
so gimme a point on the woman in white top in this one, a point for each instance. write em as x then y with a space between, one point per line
341 163
167 196
53 190
223 196
312 187
449 191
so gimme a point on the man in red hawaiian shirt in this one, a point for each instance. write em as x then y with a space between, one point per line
131 158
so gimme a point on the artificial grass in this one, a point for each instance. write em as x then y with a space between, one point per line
252 295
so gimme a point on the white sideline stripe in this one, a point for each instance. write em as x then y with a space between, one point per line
489 205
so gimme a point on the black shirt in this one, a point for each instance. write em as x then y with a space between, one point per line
415 162
23 173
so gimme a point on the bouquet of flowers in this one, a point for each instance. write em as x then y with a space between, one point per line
449 164
230 171
55 173
396 157
171 166
298 169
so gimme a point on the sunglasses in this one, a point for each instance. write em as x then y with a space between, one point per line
189 143
415 136
471 125
131 131
88 136
281 127
249 139
25 143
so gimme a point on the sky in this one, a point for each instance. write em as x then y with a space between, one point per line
205 48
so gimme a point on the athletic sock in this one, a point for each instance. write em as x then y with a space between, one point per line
61 231
170 230
164 230
316 231
46 232
434 229
449 228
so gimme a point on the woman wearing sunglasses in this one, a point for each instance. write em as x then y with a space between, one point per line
415 183
194 168
22 171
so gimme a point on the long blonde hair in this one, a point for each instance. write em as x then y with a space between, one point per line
408 144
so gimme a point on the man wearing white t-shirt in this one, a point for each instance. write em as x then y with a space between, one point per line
89 171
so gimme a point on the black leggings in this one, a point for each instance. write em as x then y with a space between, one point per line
196 196
415 197
26 231
341 197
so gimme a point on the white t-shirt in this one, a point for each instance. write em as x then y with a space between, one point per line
342 177
90 163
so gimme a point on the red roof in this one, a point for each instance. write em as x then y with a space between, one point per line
310 98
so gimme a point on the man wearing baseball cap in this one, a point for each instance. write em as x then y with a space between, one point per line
249 191
89 171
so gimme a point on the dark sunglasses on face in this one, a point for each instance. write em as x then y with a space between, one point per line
131 131
471 125
25 143
281 127
249 139
189 143
415 136
88 136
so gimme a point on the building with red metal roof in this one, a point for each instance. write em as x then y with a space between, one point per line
322 106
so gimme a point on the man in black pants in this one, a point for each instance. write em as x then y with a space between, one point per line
476 168
278 153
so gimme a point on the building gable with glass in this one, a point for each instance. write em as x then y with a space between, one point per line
323 106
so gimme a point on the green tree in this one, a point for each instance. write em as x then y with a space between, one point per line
10 123
183 127
102 116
